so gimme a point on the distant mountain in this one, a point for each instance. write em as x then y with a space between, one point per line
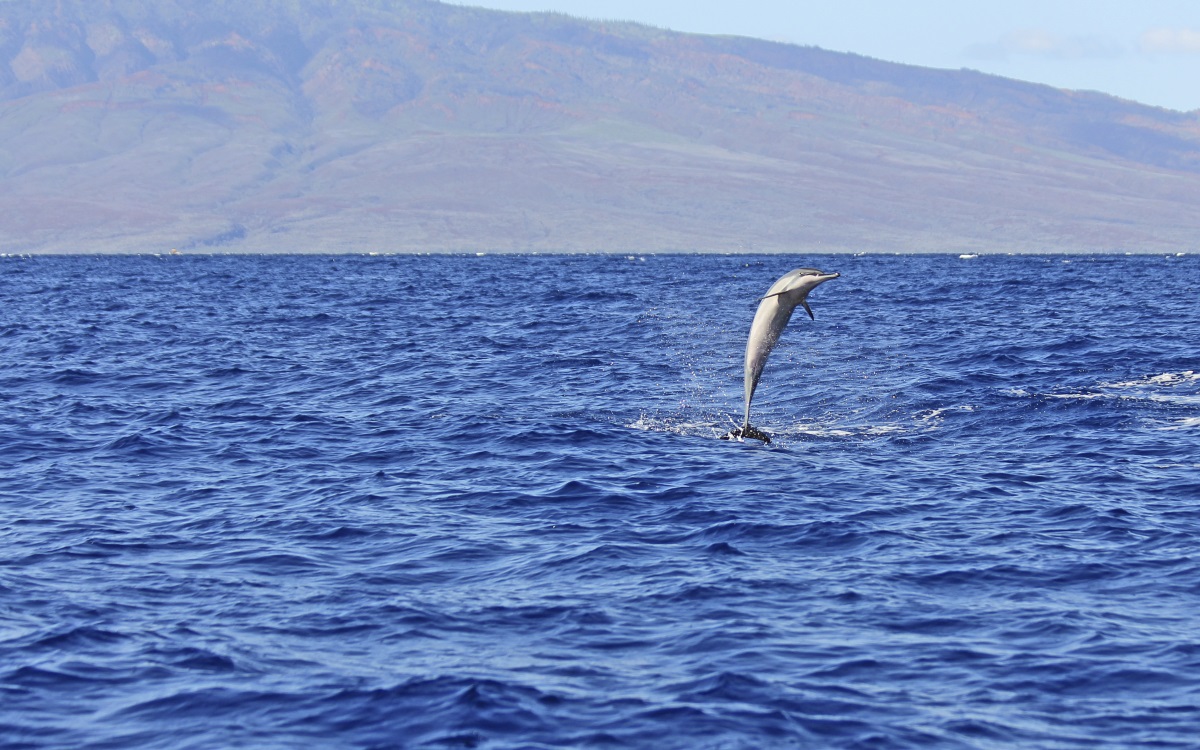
367 125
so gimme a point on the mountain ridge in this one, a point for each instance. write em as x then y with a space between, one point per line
356 125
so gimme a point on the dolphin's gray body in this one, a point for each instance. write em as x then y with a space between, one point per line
774 312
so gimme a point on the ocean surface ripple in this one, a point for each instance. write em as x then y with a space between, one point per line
479 502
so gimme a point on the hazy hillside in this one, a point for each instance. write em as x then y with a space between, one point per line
365 125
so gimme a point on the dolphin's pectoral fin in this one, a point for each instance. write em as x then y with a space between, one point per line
746 431
808 310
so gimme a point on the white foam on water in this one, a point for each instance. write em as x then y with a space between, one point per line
1169 379
939 414
1178 388
1078 395
1162 387
1188 423
716 429
678 426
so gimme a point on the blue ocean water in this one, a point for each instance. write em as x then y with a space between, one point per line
479 502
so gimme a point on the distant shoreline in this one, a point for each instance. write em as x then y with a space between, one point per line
629 253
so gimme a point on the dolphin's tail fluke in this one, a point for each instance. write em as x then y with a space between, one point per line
746 431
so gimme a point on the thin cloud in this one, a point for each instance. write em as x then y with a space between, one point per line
1164 41
1047 45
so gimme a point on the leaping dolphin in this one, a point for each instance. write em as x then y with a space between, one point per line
774 311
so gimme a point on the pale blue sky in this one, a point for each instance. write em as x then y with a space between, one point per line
1145 50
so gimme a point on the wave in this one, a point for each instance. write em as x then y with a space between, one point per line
398 501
